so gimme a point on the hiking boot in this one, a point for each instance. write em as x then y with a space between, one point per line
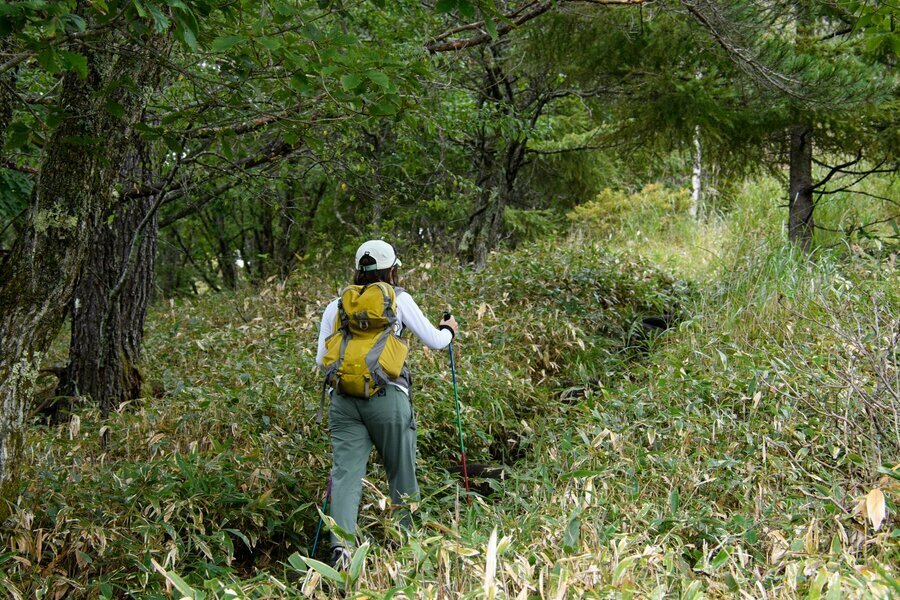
339 559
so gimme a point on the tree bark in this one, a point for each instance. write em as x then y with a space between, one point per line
105 346
227 266
296 224
73 190
800 203
7 98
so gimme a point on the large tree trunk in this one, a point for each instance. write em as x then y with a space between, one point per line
800 203
73 190
105 346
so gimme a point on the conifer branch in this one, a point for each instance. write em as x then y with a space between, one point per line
511 21
708 14
838 169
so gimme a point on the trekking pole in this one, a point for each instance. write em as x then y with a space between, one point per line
319 527
462 447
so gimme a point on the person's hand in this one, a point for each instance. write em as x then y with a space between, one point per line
450 324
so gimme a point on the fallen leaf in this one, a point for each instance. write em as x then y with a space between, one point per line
875 507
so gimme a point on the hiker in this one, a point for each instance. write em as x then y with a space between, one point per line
370 389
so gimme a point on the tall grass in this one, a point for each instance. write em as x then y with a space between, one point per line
725 458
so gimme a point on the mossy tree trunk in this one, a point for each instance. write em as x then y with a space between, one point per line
73 191
107 330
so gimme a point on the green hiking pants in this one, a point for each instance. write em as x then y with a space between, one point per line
385 421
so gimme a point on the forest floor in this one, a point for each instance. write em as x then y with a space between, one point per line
750 449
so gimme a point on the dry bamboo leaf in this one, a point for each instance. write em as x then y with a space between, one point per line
875 507
490 568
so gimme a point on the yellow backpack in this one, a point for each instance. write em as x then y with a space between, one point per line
363 354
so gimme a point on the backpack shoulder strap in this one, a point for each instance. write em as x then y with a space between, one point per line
390 300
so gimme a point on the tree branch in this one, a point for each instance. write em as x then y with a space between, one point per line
16 60
511 21
707 14
276 152
839 169
10 164
251 125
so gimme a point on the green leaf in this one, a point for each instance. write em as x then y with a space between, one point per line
323 570
466 9
182 586
225 42
358 560
186 37
49 60
300 83
379 78
580 474
241 537
890 472
491 27
623 566
296 562
285 9
186 28
100 6
720 559
572 534
693 590
115 109
76 21
731 582
444 6
350 82
270 43
674 501
161 21
384 108
75 62
17 135
836 547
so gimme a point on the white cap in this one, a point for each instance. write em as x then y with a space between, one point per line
381 251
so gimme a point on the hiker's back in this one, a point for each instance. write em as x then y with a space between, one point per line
364 354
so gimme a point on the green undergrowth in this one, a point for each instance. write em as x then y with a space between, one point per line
724 457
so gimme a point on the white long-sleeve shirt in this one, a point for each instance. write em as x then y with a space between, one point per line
409 315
